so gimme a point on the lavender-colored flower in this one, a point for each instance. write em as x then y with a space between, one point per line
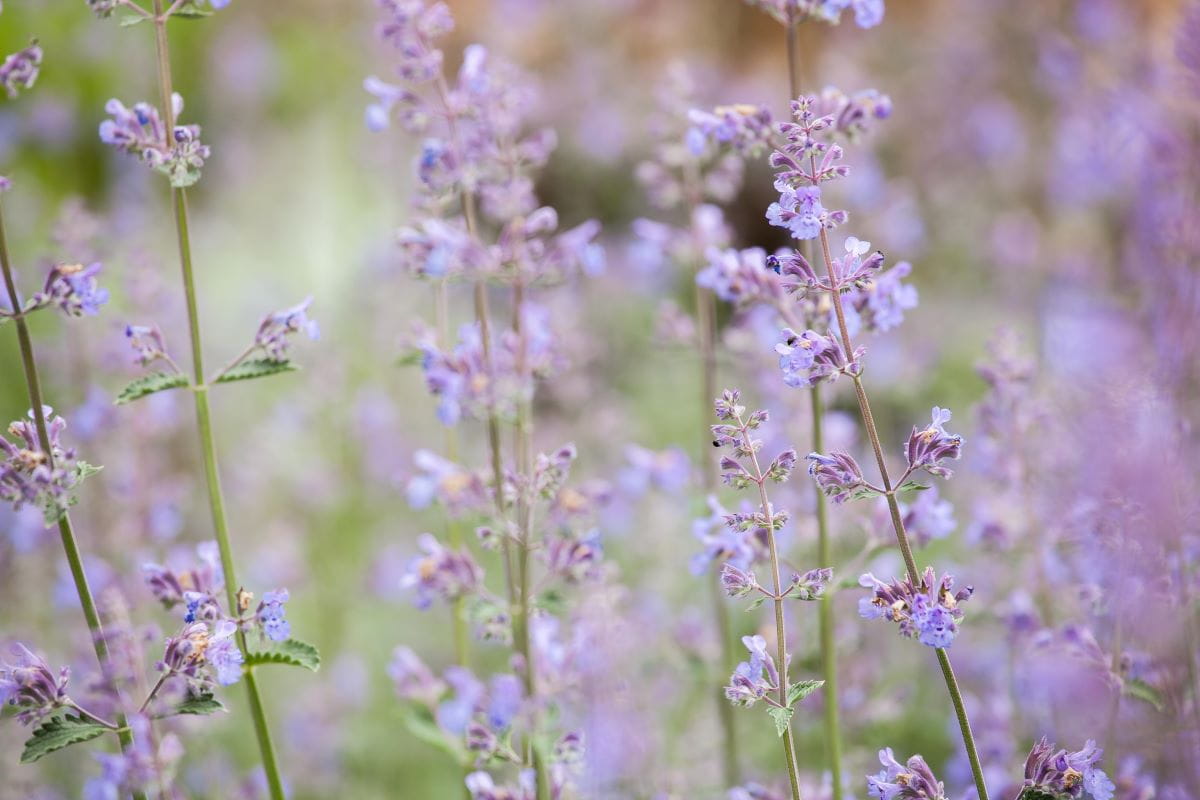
273 332
223 653
5 183
27 684
745 128
482 786
911 781
195 586
30 475
722 543
837 474
740 277
20 70
147 766
440 480
147 342
441 572
141 132
852 113
811 585
413 680
736 582
103 8
867 13
667 470
929 612
73 288
575 559
877 304
270 615
800 211
195 647
809 358
927 447
1063 774
753 679
468 695
928 517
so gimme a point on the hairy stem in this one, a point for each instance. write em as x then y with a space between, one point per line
910 563
208 445
66 532
832 720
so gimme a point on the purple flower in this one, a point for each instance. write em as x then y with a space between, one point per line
20 70
505 697
223 653
196 586
27 684
441 572
911 781
745 128
798 210
811 585
927 447
270 616
753 679
147 342
275 329
927 518
929 612
837 474
1065 774
141 132
187 653
30 475
459 490
667 470
5 184
455 713
413 680
735 582
809 358
741 277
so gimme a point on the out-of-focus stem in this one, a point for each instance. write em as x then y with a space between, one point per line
706 313
66 532
910 563
208 446
833 734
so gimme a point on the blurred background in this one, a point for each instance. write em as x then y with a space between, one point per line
1039 170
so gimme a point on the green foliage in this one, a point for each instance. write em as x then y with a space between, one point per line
782 717
802 689
200 705
255 368
1139 689
292 652
420 723
57 733
149 384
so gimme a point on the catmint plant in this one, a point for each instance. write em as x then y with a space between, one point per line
764 677
154 136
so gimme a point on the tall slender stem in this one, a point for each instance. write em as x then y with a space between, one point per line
706 323
789 749
910 563
66 532
832 720
208 445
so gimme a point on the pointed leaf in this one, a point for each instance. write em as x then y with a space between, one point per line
756 602
293 652
802 689
911 486
256 368
57 733
131 20
200 705
149 384
782 717
1137 688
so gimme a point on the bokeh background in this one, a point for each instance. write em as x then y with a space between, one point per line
1039 170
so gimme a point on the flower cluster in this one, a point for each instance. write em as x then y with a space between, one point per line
1061 775
809 358
146 767
275 330
148 342
928 447
441 572
867 13
140 131
913 780
200 654
741 277
746 129
454 487
73 289
195 586
929 612
27 684
28 474
838 475
19 71
756 678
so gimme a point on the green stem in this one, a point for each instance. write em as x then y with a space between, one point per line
833 726
208 445
910 563
66 532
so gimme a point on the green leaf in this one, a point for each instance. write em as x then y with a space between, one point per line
782 717
200 705
57 733
420 724
1139 689
191 11
552 602
85 470
293 652
149 384
756 602
256 368
131 20
911 486
1034 793
802 689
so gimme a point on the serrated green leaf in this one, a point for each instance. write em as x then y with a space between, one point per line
57 733
1139 689
149 384
293 652
756 602
85 470
911 486
802 689
782 717
200 705
1034 793
256 368
421 725
191 11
